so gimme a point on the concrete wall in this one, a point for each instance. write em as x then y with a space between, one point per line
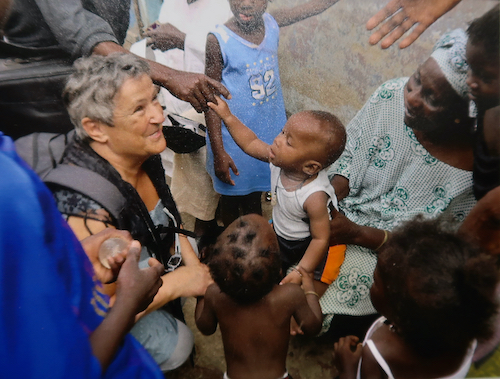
327 63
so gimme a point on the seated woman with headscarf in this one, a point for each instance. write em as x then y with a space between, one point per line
118 122
408 152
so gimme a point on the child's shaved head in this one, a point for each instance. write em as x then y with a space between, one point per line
245 261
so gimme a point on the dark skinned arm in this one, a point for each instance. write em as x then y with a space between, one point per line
285 17
204 315
135 290
344 231
196 89
222 160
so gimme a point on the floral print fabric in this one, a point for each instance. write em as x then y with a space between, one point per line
391 178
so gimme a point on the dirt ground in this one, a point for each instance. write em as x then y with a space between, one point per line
308 358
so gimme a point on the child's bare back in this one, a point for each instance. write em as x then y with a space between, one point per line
253 311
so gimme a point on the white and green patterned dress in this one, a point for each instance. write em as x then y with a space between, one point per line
391 178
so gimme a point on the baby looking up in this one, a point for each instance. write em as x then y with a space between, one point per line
252 309
302 196
437 297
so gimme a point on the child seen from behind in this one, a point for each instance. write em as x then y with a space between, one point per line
436 295
243 55
252 309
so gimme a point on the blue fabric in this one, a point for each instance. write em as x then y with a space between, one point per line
251 74
50 302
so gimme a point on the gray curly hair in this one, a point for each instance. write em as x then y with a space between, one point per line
92 87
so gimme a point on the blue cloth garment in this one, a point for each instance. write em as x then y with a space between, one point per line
50 301
251 74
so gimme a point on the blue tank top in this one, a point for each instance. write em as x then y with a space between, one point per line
251 74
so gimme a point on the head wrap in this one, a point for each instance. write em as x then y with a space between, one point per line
449 53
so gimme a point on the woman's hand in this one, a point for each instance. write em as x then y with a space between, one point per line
399 16
184 281
347 352
165 37
295 276
342 230
91 246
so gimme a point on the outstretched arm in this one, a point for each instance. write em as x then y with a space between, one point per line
244 137
285 17
399 16
196 89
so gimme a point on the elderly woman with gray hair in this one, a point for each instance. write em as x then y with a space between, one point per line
113 104
408 152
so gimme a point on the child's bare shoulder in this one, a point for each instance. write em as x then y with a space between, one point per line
289 294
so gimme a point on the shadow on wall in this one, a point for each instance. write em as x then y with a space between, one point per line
327 63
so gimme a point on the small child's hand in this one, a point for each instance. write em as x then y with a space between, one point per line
294 277
221 108
347 352
307 279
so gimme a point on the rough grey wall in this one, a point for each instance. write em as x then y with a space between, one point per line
327 63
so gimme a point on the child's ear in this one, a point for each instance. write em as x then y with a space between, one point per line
312 167
95 129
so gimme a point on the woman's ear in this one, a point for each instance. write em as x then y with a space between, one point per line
95 129
312 167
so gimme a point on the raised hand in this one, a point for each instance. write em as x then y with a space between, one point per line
399 16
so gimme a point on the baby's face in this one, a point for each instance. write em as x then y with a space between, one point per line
482 77
296 143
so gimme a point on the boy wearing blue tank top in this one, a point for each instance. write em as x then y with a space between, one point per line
243 55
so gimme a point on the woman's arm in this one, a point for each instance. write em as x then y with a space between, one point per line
222 160
285 17
344 231
192 279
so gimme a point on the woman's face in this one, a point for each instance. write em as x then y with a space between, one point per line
137 118
429 99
